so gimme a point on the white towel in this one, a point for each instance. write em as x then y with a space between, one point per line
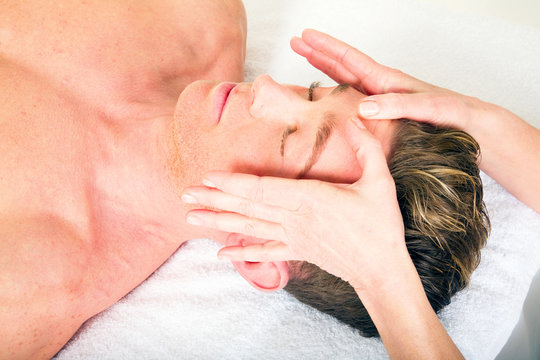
196 307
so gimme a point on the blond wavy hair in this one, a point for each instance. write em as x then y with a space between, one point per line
440 193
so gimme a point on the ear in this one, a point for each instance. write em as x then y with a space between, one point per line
264 276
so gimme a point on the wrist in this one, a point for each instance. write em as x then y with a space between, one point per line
405 320
386 277
483 118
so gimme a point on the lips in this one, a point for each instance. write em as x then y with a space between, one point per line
222 95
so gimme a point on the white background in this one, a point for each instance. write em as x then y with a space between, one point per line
523 12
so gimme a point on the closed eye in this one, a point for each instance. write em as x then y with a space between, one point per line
291 130
312 88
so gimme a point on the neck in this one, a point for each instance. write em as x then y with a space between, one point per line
156 190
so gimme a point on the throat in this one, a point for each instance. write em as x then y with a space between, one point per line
139 184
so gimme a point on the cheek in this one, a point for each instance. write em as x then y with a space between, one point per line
337 163
248 150
262 159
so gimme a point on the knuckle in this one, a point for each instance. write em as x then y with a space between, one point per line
395 72
281 216
264 255
305 209
257 192
212 199
389 76
219 221
249 229
332 68
344 55
433 106
246 208
398 103
367 75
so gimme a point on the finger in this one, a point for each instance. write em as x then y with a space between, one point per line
374 77
286 193
235 223
269 251
369 153
335 70
219 200
440 109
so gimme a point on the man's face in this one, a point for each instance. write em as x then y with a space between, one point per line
265 128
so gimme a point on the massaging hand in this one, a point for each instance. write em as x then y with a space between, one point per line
354 232
350 231
394 94
509 145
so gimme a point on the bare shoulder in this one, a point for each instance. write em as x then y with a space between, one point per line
38 312
42 254
124 54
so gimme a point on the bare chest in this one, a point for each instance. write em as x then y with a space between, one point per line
58 161
43 159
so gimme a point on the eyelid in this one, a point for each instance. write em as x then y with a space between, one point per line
312 88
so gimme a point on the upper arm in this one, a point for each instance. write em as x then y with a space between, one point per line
42 265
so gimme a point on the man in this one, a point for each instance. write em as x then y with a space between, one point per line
97 147
94 159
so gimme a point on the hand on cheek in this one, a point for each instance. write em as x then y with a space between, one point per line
348 231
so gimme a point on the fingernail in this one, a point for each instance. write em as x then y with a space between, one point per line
208 183
188 199
194 220
368 108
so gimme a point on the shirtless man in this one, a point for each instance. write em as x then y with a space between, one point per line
96 148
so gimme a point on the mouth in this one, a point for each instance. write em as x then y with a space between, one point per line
222 95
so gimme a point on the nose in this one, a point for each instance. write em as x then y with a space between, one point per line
272 101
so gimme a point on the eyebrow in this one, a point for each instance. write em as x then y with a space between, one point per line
286 134
323 135
325 129
339 89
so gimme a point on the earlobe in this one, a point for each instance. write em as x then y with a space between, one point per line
263 276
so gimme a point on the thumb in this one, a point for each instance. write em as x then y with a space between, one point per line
369 152
424 107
